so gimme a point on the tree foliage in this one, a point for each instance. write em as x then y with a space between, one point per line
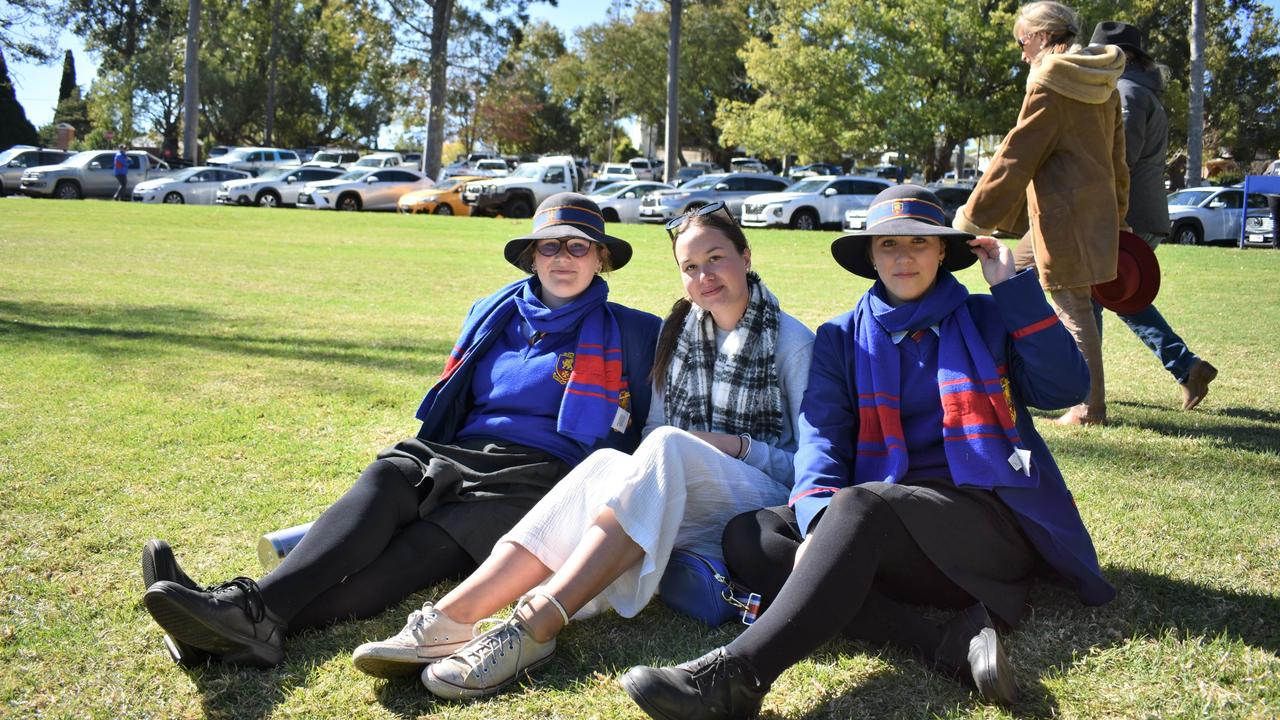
516 109
27 30
15 128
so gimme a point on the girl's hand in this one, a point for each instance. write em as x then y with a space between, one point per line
996 259
727 444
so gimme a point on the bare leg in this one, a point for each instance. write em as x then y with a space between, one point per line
509 572
604 553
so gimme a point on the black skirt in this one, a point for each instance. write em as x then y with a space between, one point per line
477 489
971 536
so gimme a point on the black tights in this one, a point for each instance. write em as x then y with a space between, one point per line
368 551
860 567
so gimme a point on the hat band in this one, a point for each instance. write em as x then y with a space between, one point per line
570 215
888 210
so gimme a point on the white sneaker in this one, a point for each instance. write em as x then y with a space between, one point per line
427 636
488 663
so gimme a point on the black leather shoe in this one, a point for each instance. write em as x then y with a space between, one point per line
715 686
970 651
229 621
158 563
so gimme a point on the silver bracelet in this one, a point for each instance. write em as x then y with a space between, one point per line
744 446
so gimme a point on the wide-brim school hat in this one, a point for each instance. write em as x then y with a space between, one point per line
569 214
1122 35
903 210
1137 278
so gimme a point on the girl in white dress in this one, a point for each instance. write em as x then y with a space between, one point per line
729 374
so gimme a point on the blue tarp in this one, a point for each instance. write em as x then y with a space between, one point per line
1266 184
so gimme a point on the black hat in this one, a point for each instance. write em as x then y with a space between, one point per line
903 210
1122 35
569 214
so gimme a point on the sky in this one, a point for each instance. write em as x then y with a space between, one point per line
37 86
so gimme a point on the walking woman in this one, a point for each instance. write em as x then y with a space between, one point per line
1063 168
920 478
546 371
728 376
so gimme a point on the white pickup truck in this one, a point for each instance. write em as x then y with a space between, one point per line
90 174
520 193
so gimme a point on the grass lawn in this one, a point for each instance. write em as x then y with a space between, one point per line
204 375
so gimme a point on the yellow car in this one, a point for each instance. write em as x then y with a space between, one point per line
443 199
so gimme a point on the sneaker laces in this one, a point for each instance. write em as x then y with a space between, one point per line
251 596
415 626
486 648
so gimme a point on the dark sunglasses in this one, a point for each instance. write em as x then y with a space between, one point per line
673 225
550 247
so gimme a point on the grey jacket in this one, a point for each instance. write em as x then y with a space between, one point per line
1146 135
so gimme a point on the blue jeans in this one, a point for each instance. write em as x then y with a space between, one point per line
1154 332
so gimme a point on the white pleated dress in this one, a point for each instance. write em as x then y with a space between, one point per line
675 491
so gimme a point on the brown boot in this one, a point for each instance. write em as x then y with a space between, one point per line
1196 385
1082 415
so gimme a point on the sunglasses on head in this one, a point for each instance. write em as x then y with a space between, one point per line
550 247
673 225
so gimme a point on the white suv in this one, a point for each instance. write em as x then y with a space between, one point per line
811 203
254 160
380 160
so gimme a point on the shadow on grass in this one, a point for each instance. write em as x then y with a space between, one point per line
101 329
1260 433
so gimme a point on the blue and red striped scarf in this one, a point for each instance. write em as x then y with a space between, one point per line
591 396
977 423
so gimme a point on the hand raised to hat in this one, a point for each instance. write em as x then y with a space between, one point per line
995 257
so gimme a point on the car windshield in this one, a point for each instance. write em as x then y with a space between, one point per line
184 174
237 154
1189 197
807 186
688 172
354 174
9 154
527 170
448 184
613 189
369 162
703 183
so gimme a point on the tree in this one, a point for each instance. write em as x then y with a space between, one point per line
26 30
517 110
15 128
68 77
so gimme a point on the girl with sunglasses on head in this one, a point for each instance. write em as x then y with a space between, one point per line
920 479
545 372
1061 170
728 376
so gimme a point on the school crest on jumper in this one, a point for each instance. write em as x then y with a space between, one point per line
1008 398
624 399
564 368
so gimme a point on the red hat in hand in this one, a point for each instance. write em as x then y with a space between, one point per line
1137 278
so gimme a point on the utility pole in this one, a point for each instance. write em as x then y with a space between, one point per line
673 94
191 86
273 55
1195 114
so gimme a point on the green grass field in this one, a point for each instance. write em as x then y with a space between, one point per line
204 375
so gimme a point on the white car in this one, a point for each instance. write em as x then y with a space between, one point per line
255 160
380 160
811 203
274 188
363 189
644 168
333 158
620 202
1211 214
192 186
616 171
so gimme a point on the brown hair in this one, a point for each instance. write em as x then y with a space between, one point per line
525 260
674 321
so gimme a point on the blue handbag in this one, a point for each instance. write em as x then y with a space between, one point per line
700 587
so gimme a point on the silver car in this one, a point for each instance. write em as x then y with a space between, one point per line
731 188
363 189
812 202
255 160
189 186
620 202
1210 214
274 188
16 160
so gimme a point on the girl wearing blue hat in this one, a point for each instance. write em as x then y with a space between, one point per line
546 371
920 478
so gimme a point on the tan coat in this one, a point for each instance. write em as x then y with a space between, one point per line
1063 168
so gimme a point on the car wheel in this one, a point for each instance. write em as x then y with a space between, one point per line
66 190
349 202
443 209
268 199
804 220
243 200
519 208
1187 234
611 215
173 198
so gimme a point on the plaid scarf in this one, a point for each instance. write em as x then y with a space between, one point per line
591 396
980 439
733 391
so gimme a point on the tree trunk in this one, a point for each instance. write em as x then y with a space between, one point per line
439 64
1195 114
273 60
673 94
191 86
